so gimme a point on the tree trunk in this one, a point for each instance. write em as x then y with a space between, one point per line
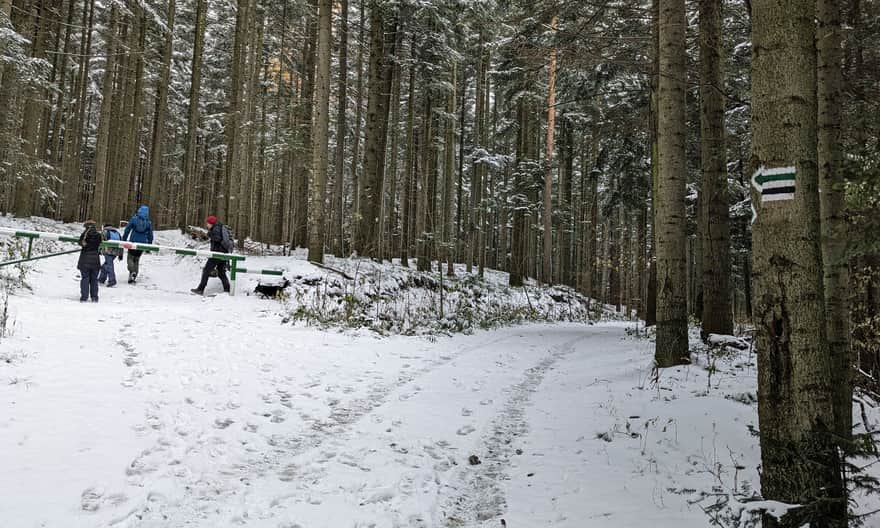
460 208
381 53
70 167
393 172
525 149
188 214
29 177
672 342
651 297
831 202
592 245
55 152
449 235
565 228
476 190
422 208
547 268
250 188
130 170
795 393
409 199
248 179
103 138
483 232
717 315
302 162
320 135
358 123
370 190
156 145
641 259
338 205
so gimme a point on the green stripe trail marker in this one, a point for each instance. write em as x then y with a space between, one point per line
775 184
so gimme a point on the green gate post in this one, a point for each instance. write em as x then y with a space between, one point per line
30 246
232 270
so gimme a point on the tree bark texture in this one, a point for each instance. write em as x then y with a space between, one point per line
338 229
672 343
831 201
320 135
795 394
547 266
717 314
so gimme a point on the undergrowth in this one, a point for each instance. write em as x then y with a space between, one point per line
397 300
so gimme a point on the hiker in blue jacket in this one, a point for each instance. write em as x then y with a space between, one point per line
108 272
139 229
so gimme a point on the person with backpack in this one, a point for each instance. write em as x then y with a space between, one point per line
89 261
139 229
221 242
108 272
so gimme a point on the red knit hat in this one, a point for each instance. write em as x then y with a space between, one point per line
211 220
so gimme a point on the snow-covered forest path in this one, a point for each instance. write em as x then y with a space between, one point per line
157 408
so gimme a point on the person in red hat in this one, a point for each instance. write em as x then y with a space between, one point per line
221 242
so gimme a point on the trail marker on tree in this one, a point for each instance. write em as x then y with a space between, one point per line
775 184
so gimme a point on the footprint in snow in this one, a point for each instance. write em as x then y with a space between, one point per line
250 427
288 473
223 423
93 498
379 495
267 367
125 345
466 430
276 416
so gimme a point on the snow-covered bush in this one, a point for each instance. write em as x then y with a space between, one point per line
392 299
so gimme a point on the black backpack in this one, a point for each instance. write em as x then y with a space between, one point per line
226 239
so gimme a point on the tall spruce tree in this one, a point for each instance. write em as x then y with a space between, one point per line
795 393
672 341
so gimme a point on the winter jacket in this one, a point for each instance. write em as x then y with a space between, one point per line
90 240
139 227
110 233
215 235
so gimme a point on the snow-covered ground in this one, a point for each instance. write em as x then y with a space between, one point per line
158 408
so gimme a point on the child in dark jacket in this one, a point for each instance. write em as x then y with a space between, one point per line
108 271
89 263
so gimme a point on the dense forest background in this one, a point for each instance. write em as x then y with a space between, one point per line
606 145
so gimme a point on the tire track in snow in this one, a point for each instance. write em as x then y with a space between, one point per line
480 497
206 495
343 417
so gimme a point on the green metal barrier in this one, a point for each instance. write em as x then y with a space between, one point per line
30 258
232 258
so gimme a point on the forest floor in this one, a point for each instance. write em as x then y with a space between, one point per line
159 408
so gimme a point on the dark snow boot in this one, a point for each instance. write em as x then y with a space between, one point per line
198 291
